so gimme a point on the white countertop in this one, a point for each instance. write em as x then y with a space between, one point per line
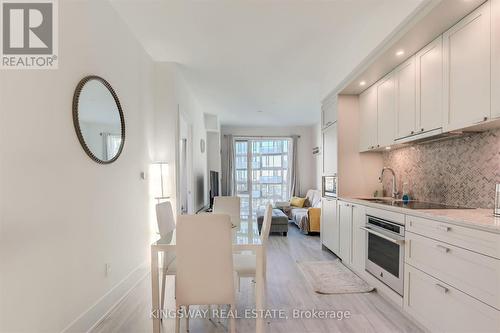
474 218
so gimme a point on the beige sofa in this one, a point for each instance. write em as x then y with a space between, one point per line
307 218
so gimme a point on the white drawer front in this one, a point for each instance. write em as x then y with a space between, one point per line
470 272
442 308
472 239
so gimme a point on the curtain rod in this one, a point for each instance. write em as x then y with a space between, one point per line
262 136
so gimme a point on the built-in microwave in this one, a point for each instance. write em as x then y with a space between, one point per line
330 186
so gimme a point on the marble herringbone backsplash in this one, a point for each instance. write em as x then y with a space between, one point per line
461 171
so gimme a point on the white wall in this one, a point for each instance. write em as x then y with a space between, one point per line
307 167
174 97
63 215
318 158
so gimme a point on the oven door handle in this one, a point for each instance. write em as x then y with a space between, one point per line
381 235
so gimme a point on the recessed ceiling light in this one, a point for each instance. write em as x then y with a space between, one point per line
362 83
400 53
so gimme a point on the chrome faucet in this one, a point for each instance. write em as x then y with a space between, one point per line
395 192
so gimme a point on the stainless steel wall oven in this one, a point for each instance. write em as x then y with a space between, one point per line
385 251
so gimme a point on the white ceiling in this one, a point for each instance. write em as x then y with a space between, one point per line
279 57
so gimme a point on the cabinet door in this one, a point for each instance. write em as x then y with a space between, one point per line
467 70
330 150
368 119
329 112
329 224
345 235
358 238
429 64
442 308
386 111
495 58
405 99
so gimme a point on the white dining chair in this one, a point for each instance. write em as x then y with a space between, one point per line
245 265
230 206
205 274
166 224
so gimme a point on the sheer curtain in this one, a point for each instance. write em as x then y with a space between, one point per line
294 168
228 185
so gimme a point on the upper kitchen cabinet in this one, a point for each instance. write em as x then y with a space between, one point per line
429 89
330 150
405 85
386 105
495 58
467 83
329 112
368 119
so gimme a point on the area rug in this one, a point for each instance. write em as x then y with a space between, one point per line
332 277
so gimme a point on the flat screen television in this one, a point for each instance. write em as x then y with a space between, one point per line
214 186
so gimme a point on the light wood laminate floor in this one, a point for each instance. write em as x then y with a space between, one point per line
286 289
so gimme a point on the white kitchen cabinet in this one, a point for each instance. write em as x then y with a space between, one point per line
429 89
330 150
475 274
405 85
442 308
345 231
358 254
352 239
330 224
495 58
467 70
368 119
386 105
329 112
486 243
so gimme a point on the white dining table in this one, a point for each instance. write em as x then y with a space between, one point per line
245 238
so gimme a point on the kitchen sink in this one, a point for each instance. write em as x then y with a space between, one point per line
412 204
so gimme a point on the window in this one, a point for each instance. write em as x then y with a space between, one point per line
261 173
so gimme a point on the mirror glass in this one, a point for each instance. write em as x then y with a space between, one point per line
98 119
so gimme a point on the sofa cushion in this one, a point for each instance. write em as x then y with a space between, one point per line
298 202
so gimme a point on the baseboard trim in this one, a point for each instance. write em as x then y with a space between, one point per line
95 314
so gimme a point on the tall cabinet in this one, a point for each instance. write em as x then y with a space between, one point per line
467 79
330 150
495 58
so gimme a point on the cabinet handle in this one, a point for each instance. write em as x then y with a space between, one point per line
442 288
443 248
444 228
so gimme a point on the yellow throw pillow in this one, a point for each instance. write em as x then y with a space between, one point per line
297 202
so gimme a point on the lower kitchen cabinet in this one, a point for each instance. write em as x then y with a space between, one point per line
352 239
442 308
345 236
475 274
358 238
330 224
